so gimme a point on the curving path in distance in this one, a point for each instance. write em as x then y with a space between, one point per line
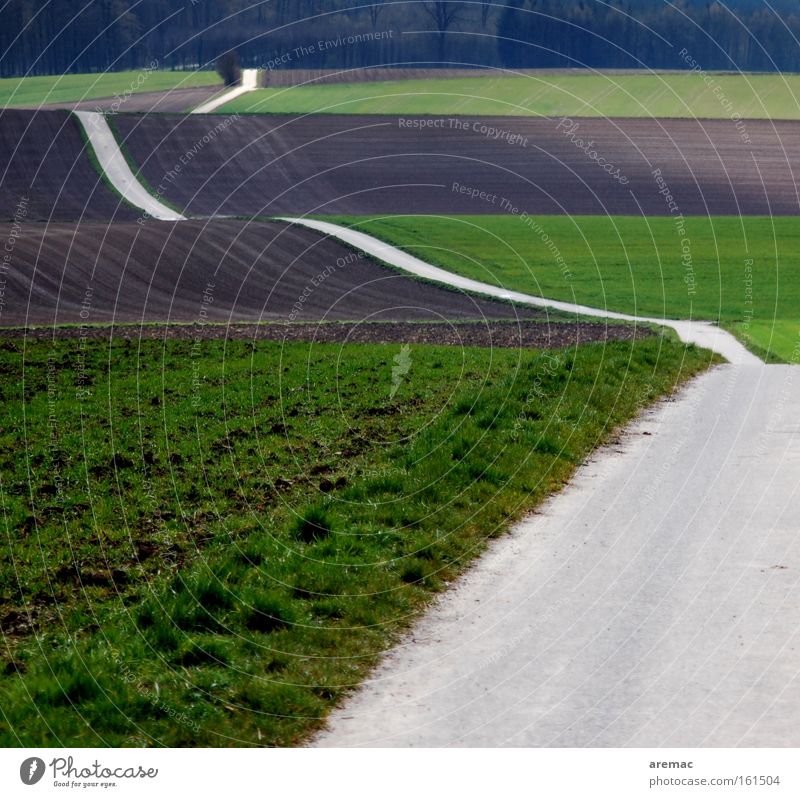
701 333
249 83
46 173
155 272
116 168
655 601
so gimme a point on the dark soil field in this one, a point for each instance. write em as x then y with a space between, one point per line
42 158
217 271
263 165
484 334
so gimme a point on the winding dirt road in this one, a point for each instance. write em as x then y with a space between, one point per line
701 333
116 168
45 168
653 602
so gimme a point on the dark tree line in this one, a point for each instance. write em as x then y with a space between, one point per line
97 35
630 34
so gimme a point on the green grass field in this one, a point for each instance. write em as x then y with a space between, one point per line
743 273
73 88
657 95
209 545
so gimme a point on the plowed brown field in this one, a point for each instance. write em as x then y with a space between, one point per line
43 161
260 165
219 271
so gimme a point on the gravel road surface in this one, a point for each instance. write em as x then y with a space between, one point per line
654 602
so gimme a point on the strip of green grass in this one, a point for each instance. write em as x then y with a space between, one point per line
217 542
15 92
743 273
639 95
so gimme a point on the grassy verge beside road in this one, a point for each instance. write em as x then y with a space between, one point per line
667 95
209 544
741 272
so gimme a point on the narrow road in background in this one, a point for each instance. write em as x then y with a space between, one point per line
702 333
116 168
249 83
653 602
